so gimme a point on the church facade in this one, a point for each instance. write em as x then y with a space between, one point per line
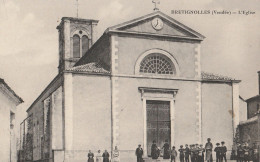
140 82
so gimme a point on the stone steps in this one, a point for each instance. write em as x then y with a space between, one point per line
156 160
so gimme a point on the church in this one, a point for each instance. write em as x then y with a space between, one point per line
140 82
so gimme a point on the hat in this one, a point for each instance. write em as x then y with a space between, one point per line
217 144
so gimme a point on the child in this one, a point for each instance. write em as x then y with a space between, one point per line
217 150
173 154
201 153
223 151
181 150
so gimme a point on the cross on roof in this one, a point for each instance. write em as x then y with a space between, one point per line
77 4
156 2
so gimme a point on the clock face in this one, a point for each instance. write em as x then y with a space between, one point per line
157 23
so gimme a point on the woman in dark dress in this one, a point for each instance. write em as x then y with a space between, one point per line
105 156
166 150
154 150
90 156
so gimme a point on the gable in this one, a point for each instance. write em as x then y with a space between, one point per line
148 25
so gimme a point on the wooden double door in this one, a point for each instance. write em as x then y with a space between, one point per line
158 123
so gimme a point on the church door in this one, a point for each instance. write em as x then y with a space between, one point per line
158 123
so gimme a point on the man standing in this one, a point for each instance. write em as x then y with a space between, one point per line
208 148
181 150
187 153
105 156
223 151
139 153
196 152
256 155
192 153
240 153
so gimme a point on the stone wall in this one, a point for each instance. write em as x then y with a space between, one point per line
248 132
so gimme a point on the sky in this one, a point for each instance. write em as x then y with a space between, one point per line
29 38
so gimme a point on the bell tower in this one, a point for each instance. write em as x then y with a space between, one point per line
76 36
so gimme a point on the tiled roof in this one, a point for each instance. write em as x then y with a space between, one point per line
210 76
9 89
90 67
253 98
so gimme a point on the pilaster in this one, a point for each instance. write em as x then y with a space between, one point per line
172 116
67 41
94 33
197 62
68 110
235 103
144 128
198 113
115 94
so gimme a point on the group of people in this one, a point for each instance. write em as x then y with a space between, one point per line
246 153
104 157
193 153
189 153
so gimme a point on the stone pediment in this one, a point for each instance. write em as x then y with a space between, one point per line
156 23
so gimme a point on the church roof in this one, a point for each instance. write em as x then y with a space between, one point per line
90 67
20 100
215 77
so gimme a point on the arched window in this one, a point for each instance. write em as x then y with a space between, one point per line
157 63
85 44
76 46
